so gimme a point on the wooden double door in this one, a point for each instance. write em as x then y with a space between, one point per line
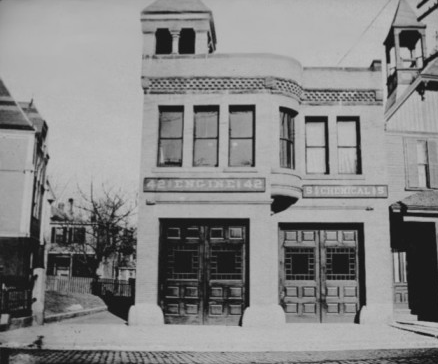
319 274
203 275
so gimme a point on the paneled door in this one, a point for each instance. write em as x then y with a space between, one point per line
203 272
319 275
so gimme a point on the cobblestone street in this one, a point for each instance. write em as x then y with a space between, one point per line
420 356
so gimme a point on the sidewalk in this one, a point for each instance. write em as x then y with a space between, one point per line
106 334
419 327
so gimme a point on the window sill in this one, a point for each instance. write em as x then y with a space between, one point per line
420 189
342 177
240 170
179 170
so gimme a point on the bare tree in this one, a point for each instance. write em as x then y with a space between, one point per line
108 230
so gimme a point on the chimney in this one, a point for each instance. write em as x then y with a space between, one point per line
376 65
70 207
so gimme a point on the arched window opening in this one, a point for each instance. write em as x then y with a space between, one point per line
187 41
411 53
163 41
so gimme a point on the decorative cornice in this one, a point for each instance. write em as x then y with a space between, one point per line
218 84
181 85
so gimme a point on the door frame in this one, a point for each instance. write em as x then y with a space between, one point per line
204 272
360 256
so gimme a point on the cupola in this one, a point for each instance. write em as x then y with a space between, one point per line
178 27
405 48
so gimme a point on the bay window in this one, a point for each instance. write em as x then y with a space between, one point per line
287 155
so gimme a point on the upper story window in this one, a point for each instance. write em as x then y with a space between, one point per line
316 145
68 235
422 163
170 142
241 133
163 41
287 154
349 160
206 135
186 44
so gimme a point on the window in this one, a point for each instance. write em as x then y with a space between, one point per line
422 163
241 146
349 161
287 155
206 137
68 235
163 41
171 137
316 146
186 43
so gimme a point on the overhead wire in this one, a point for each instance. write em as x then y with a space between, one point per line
364 32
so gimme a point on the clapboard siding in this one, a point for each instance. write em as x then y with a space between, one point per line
396 167
417 115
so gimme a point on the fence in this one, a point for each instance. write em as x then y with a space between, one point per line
16 296
100 287
69 284
111 287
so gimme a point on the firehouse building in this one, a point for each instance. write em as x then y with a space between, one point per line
264 196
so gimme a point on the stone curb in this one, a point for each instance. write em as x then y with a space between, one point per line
68 315
417 329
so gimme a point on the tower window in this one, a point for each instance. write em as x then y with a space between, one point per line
163 41
187 41
411 52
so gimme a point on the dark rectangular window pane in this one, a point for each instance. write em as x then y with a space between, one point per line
205 153
170 153
183 262
241 123
241 152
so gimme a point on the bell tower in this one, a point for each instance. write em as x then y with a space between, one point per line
405 50
177 27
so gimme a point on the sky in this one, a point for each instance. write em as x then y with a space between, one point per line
80 62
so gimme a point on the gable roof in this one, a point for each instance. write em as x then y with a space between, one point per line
405 17
176 6
11 115
431 69
424 200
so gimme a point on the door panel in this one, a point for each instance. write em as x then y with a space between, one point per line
319 275
339 276
204 279
301 292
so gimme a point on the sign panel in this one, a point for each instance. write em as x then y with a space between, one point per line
204 185
341 191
